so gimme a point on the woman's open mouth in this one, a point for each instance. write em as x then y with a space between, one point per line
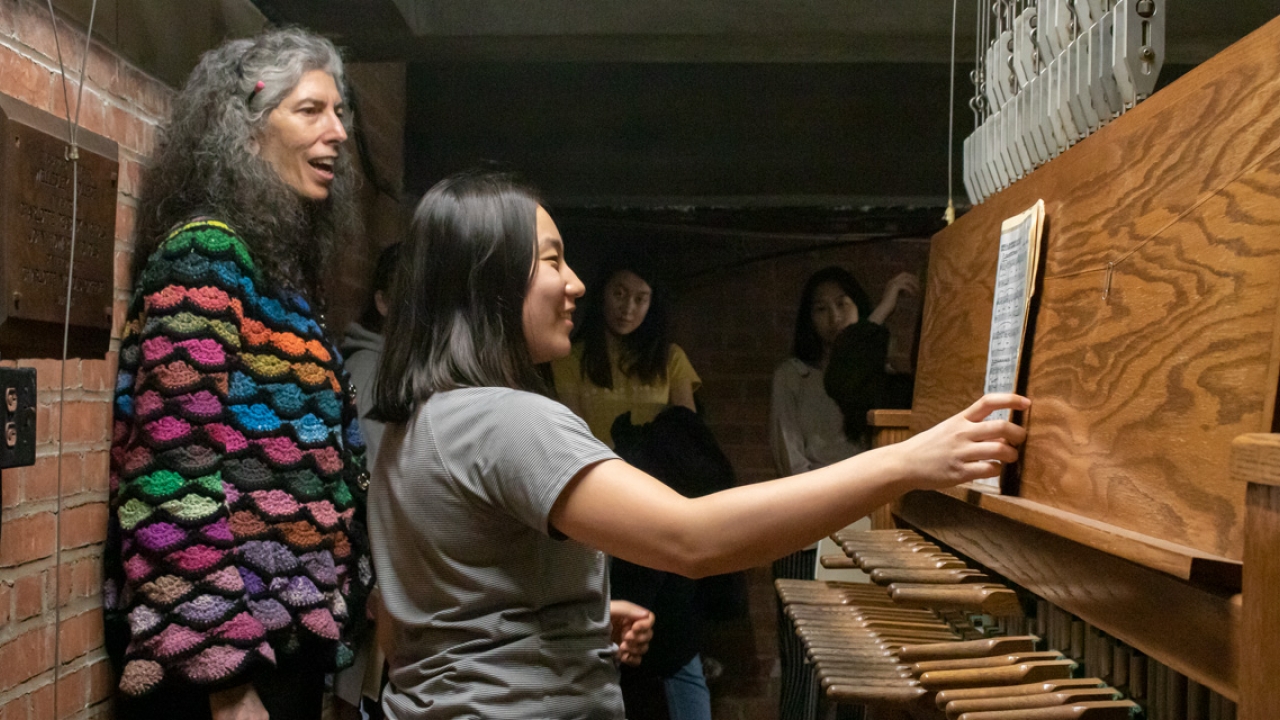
323 167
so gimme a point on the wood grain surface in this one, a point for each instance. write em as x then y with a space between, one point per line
1255 460
1154 335
1192 629
887 427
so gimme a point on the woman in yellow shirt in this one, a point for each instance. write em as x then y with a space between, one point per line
623 360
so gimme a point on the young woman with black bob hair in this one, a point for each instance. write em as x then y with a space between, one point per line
493 506
623 360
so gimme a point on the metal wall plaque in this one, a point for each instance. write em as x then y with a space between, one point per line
35 232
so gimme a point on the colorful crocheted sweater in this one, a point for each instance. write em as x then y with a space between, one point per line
237 536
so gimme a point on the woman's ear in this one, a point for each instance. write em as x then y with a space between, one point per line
380 302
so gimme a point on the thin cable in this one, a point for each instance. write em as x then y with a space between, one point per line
73 155
66 96
950 215
75 127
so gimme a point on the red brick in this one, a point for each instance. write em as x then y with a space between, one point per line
87 422
93 112
80 579
154 98
28 596
102 681
33 29
130 174
97 474
15 709
98 375
119 313
116 124
84 525
26 538
126 129
103 69
6 592
26 656
146 141
42 702
126 217
6 20
46 423
48 372
72 473
122 271
81 634
25 80
10 488
73 689
40 481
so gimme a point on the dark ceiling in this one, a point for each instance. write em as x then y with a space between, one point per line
822 118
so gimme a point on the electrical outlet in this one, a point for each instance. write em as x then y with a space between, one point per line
17 417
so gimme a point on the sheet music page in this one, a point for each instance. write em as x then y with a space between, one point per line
1015 284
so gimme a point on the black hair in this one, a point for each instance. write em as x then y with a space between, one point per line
644 351
455 316
808 345
383 272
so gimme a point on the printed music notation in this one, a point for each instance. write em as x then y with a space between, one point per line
1015 284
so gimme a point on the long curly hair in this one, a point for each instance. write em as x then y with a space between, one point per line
206 162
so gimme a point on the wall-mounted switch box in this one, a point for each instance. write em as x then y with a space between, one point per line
17 417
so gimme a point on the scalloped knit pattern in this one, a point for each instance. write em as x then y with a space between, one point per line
234 541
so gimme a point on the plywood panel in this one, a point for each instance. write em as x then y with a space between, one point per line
1154 341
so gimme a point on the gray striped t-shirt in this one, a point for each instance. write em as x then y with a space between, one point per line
492 618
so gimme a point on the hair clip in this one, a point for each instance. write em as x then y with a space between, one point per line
257 88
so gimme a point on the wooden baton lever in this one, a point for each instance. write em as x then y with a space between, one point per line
1104 710
969 648
1008 675
952 576
956 708
990 599
947 696
925 666
869 562
854 693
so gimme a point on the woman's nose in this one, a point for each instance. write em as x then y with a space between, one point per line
573 286
337 132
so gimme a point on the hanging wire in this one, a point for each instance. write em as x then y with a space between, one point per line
950 214
73 155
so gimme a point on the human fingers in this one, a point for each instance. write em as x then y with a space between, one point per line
981 469
992 402
984 451
625 610
639 633
996 430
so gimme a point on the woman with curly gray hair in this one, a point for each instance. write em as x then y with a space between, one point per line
237 568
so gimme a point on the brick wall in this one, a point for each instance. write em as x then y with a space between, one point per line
737 325
124 104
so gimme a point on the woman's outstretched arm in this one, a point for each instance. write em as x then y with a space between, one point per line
628 514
